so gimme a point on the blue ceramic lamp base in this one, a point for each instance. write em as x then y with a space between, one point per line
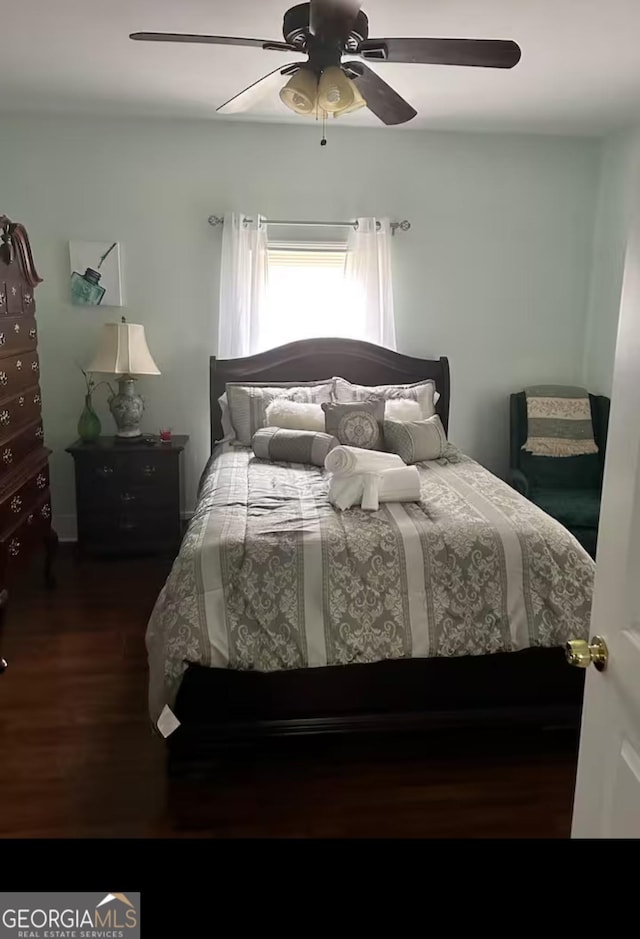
127 408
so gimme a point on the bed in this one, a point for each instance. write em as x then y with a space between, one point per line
283 617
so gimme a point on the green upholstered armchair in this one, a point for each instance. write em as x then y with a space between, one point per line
567 488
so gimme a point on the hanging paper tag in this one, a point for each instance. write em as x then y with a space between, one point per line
168 723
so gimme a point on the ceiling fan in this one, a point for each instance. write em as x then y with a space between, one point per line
334 80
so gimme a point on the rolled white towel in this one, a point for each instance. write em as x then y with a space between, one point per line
346 461
400 485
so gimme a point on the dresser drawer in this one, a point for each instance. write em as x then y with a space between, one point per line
17 545
18 446
18 372
16 412
21 501
16 298
18 334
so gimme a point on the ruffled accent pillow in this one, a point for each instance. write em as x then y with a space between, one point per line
416 441
279 445
294 415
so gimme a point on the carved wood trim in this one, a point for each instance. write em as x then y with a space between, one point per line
15 241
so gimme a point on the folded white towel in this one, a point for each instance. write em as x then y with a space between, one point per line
371 489
346 491
343 461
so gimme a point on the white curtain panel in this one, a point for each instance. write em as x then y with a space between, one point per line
369 276
243 285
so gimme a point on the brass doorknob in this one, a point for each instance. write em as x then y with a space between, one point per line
581 654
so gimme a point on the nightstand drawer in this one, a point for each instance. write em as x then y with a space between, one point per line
129 530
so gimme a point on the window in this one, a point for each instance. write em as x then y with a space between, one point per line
309 296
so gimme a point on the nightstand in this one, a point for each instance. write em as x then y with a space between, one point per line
128 496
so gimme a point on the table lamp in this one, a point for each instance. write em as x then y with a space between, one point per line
123 351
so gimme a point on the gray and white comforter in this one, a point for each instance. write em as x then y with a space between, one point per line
270 576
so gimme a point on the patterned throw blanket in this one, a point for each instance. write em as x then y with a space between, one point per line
559 419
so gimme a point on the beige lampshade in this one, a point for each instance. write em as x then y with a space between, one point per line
123 350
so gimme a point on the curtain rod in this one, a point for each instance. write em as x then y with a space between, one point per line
216 220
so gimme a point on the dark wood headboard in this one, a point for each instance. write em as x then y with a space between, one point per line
314 359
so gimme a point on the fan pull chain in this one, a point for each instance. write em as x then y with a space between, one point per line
323 142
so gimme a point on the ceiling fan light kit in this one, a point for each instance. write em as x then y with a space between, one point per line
335 79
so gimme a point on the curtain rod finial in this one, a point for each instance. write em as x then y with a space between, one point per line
216 220
401 226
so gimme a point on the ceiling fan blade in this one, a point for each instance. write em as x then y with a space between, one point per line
482 53
333 18
385 103
214 40
252 95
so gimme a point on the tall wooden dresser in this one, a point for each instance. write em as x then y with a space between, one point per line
25 503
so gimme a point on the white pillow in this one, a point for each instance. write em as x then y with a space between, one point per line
295 415
402 409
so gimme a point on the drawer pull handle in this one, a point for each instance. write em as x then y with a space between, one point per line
2 298
39 433
16 328
14 291
34 366
41 481
149 470
32 333
21 401
3 378
5 418
30 519
14 548
19 364
28 298
36 399
45 511
127 498
105 471
2 339
16 505
7 455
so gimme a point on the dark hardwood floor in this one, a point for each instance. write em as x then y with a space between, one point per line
78 757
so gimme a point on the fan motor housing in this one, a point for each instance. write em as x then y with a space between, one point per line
296 28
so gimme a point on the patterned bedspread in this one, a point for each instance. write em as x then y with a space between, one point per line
270 576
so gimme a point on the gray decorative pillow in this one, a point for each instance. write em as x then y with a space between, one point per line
416 441
356 425
424 392
292 446
248 402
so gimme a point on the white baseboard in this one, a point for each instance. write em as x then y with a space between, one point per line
67 526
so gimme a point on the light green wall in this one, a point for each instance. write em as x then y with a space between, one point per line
495 272
619 169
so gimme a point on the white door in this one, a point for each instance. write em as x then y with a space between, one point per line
607 801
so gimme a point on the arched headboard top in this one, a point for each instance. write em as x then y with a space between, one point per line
314 359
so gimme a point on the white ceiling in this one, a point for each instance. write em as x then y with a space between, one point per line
580 70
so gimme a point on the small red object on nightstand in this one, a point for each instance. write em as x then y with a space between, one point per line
165 436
